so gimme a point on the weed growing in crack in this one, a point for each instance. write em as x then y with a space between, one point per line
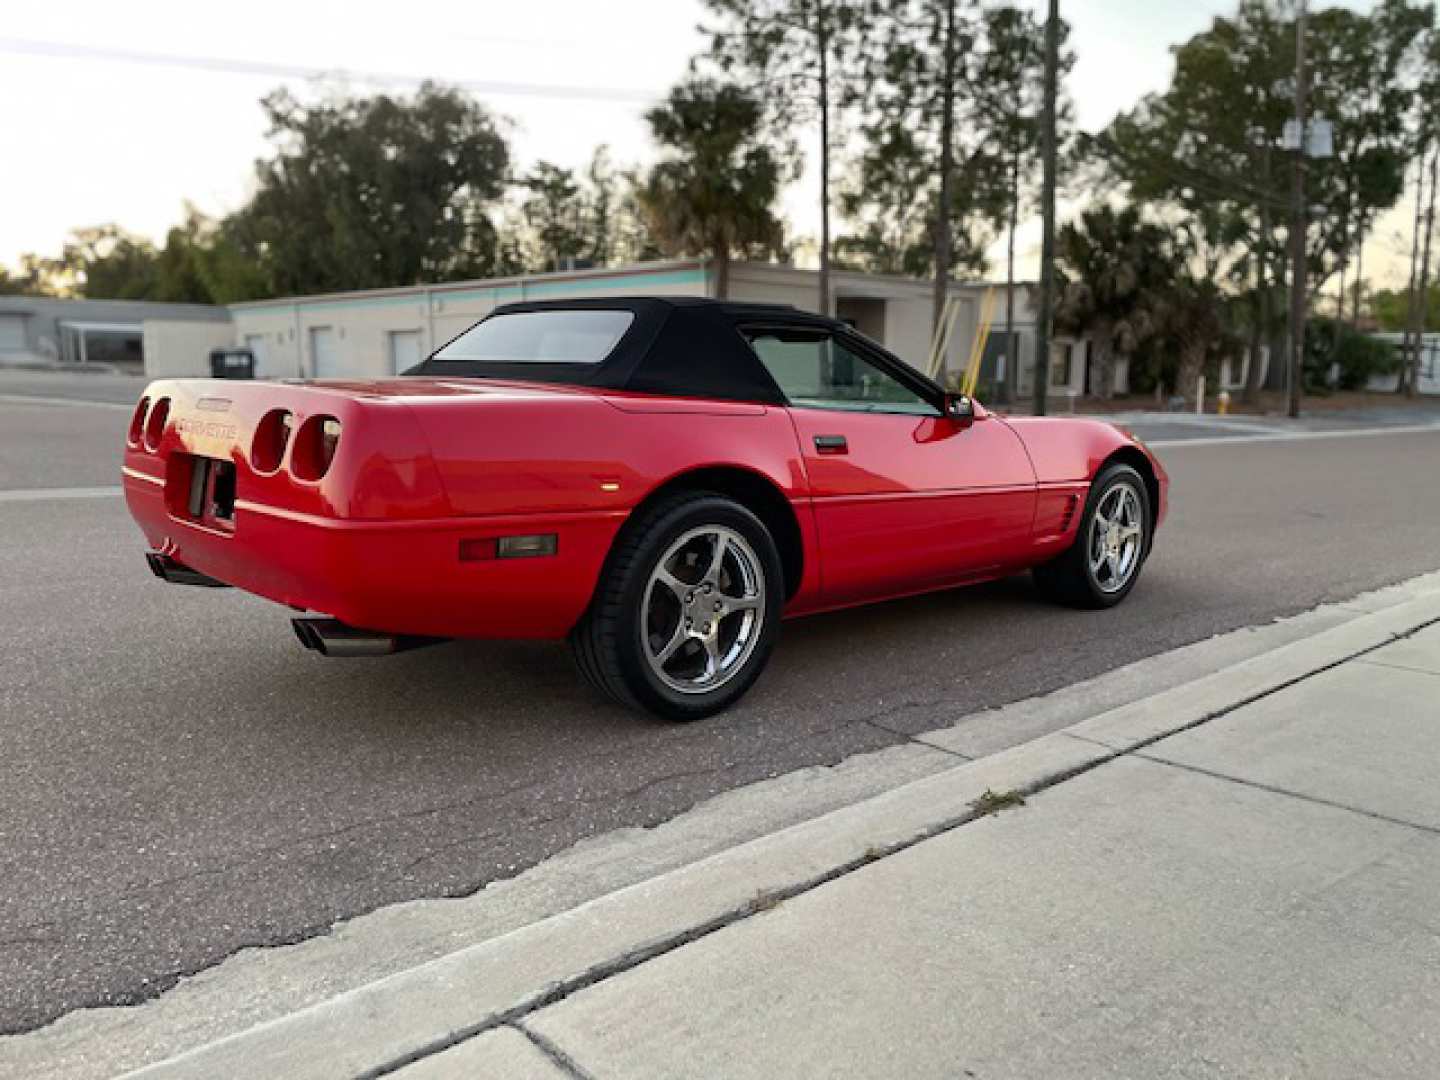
992 802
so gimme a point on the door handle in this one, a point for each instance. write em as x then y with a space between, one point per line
831 444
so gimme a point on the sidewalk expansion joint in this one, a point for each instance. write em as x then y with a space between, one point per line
1272 789
758 906
1400 667
557 1057
1235 706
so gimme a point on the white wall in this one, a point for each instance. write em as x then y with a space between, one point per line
363 322
181 349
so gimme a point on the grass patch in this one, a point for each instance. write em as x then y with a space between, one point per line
992 802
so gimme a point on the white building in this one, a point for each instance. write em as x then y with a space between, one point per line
382 332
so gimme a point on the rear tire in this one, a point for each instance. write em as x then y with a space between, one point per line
1101 567
687 609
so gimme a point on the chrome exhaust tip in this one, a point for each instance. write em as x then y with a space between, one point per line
331 637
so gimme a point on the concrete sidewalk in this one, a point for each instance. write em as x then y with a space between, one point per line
1254 897
1234 877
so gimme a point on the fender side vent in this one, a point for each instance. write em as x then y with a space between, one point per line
1068 517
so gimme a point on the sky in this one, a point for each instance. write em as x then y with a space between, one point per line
123 112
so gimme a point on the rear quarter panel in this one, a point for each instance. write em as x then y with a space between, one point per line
600 456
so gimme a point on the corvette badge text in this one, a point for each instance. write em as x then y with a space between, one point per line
205 429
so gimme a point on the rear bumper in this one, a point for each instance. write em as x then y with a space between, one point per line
402 577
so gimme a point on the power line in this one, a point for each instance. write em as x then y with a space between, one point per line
222 65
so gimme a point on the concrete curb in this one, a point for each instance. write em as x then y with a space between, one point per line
380 1027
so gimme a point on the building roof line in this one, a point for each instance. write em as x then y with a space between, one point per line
549 278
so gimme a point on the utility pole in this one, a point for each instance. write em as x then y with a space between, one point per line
1044 316
1422 290
1299 220
944 237
823 41
1412 298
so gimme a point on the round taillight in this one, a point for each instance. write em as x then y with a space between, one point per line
137 422
271 437
155 423
315 445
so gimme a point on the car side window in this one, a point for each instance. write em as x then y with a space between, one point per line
817 371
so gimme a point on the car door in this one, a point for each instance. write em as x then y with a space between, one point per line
905 499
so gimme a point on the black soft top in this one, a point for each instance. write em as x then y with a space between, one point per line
681 346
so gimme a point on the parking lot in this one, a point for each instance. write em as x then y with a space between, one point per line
180 780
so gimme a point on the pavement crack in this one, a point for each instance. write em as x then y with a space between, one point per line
874 720
440 849
1399 667
1290 793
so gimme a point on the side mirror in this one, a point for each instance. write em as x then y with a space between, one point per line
963 409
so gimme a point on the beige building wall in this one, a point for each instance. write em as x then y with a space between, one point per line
360 329
181 348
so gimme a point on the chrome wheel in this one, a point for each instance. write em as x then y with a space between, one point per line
702 609
1117 536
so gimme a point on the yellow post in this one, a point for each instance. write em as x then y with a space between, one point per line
977 347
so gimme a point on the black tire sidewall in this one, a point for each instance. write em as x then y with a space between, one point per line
656 537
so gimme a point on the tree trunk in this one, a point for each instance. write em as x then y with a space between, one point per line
1257 340
823 42
947 169
1251 395
1104 387
1104 364
1360 231
1192 366
1412 388
1344 273
722 272
1010 388
1263 316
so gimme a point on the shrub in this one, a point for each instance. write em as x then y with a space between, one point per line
1353 356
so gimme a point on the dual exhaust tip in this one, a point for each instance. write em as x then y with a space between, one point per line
331 637
177 573
328 637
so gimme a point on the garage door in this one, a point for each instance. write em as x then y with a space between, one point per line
404 350
12 333
324 352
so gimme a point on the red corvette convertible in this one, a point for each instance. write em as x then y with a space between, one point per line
659 480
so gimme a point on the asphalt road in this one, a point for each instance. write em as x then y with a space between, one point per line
180 780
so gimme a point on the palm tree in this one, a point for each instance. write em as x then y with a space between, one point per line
713 192
1114 273
1193 318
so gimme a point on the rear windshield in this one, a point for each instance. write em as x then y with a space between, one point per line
540 337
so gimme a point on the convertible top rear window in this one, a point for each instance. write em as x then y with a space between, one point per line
540 337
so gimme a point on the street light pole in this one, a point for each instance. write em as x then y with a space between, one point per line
1299 221
1044 316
